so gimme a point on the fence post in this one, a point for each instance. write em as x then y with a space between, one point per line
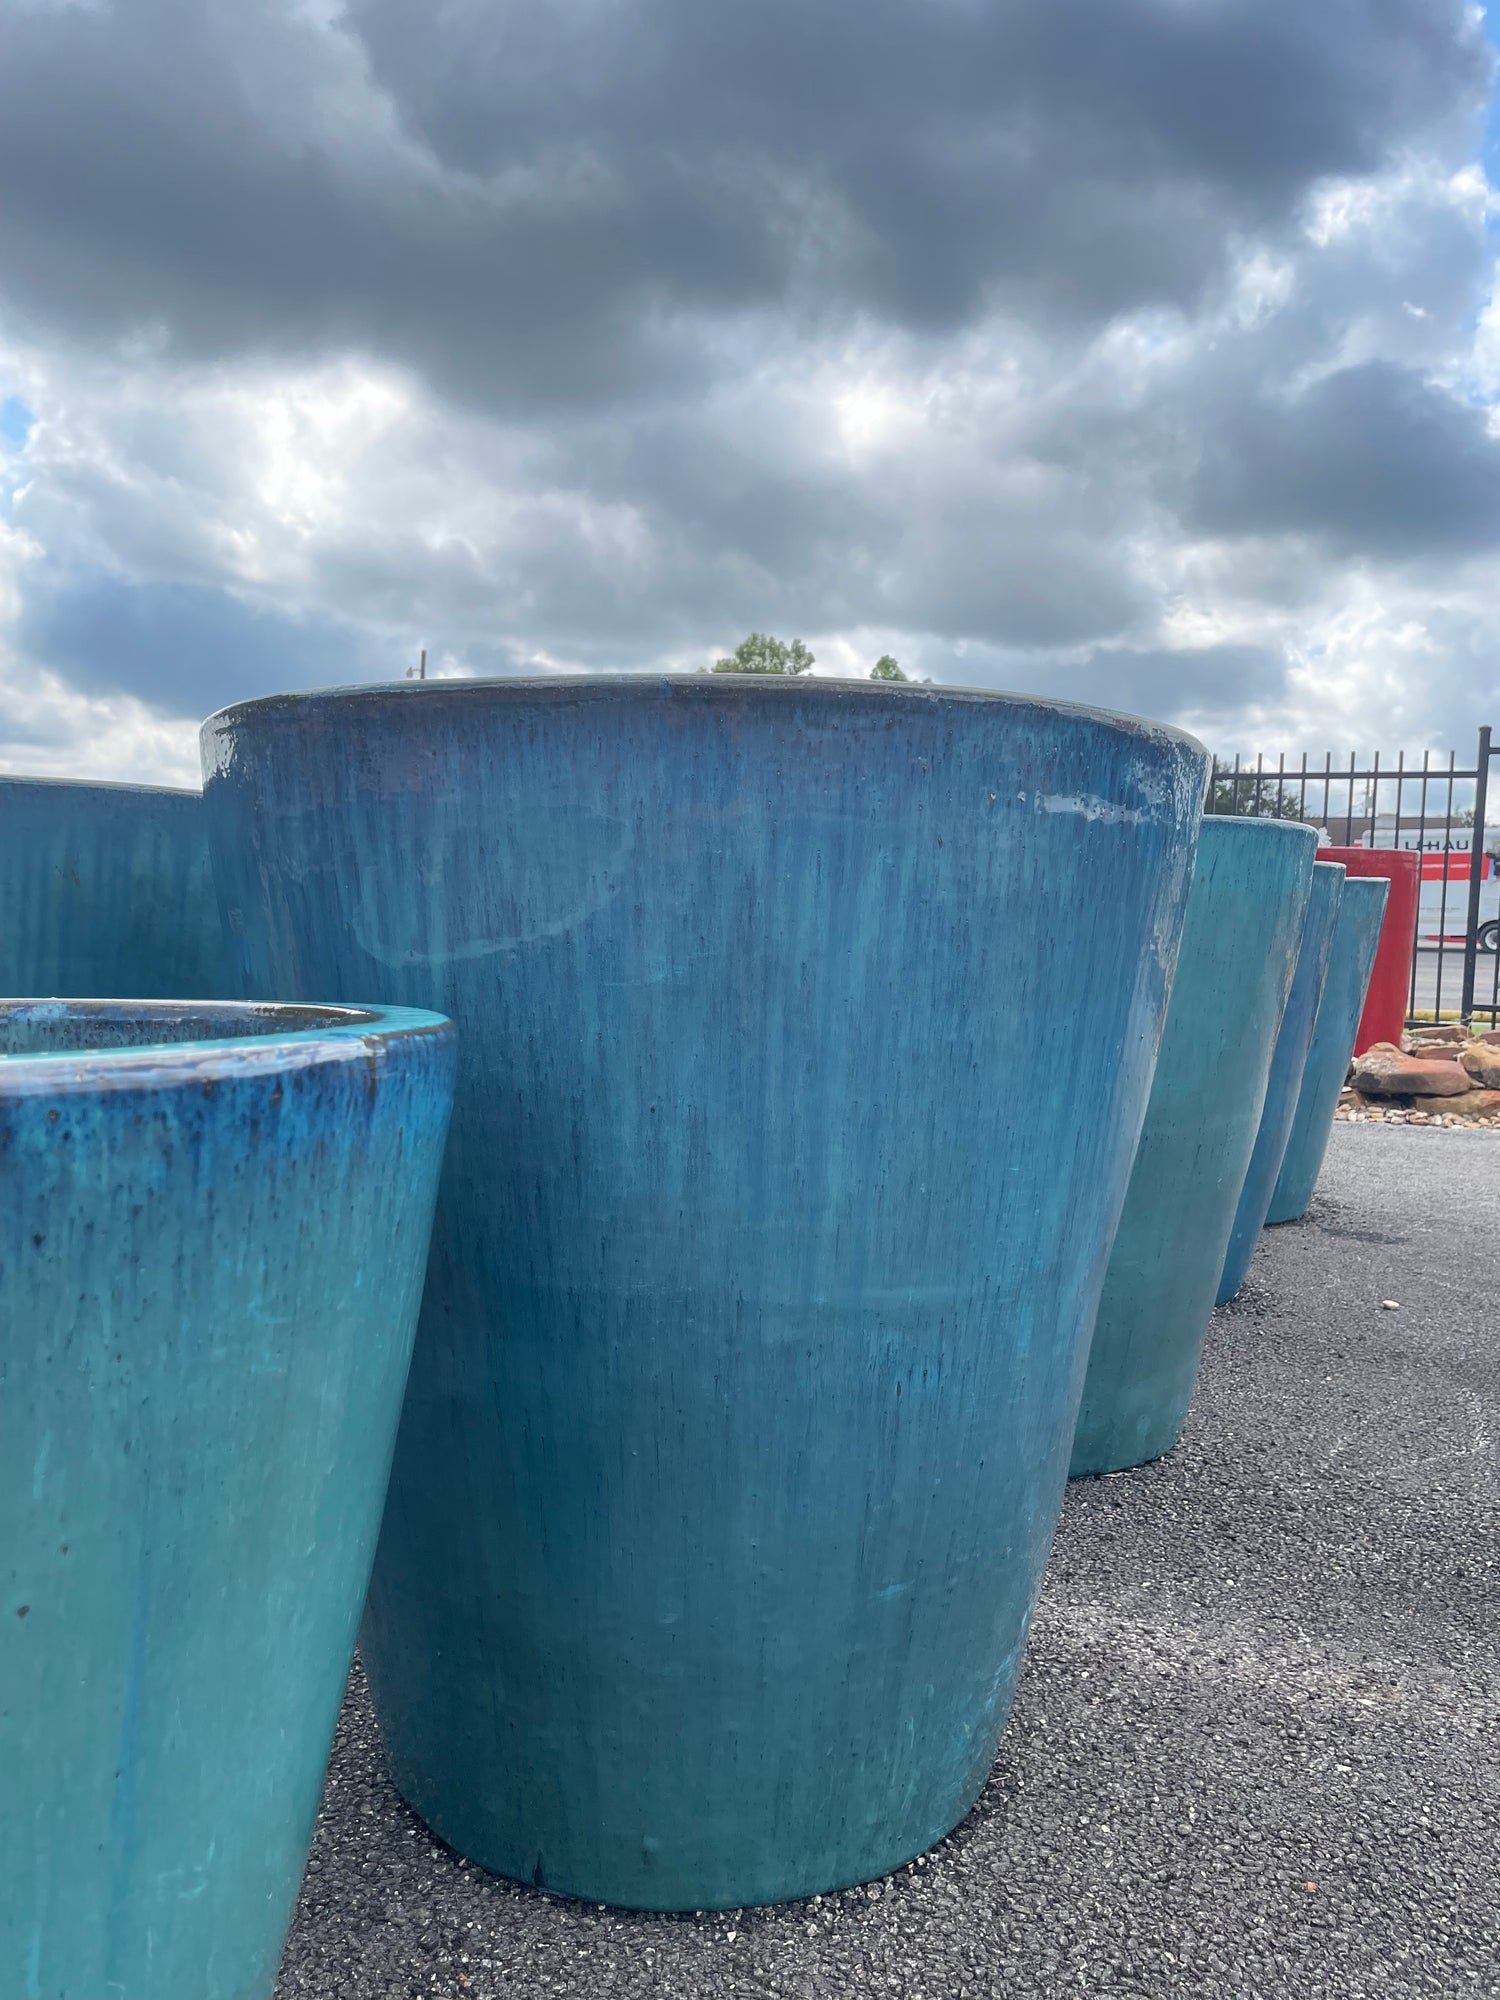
1476 864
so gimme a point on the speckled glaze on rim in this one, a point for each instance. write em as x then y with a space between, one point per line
212 1242
776 1206
731 690
89 1044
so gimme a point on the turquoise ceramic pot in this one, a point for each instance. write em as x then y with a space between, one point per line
212 1236
1285 1081
807 1029
106 890
1355 940
1245 919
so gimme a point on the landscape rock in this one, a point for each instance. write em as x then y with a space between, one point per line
1444 1035
1468 1104
1482 1061
1476 1104
1384 1071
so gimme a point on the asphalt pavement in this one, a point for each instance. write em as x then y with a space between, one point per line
1255 1750
1439 983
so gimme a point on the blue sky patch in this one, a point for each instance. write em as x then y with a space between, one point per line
15 424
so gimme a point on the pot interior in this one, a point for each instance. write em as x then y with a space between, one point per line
72 1027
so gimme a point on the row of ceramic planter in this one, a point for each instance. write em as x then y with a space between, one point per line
804 1137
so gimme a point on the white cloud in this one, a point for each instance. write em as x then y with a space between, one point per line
1146 407
49 730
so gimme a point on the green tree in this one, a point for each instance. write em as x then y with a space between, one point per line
1250 797
885 669
761 654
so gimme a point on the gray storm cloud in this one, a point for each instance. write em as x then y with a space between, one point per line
1132 348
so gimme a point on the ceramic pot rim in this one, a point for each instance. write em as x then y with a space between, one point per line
312 1035
727 688
1364 882
1244 822
9 780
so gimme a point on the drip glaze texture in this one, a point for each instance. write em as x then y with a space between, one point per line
1245 917
106 890
778 1198
1285 1081
1356 938
212 1242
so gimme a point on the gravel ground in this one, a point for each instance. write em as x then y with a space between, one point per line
1254 1749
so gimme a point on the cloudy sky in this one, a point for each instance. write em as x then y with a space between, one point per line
1141 351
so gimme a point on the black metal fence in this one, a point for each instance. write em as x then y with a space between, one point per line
1436 807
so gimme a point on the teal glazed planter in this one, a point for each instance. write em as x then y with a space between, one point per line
806 1032
106 890
1245 918
1285 1080
1355 940
212 1238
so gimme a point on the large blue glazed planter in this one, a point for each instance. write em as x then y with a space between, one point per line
212 1238
806 1033
1245 918
1285 1081
106 890
1351 960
